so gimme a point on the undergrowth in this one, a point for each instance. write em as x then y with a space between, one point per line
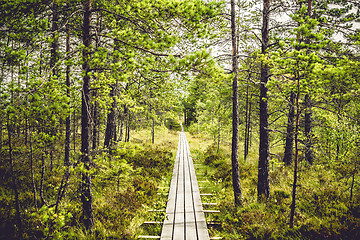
323 207
125 184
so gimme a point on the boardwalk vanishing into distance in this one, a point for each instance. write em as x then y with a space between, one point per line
185 219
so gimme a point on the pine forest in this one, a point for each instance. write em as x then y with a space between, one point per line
94 95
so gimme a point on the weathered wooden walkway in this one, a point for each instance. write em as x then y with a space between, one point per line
185 219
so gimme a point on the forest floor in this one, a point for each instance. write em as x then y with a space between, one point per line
135 178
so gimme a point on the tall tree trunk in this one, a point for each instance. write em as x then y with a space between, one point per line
248 143
14 180
235 116
32 168
127 133
308 139
293 202
74 130
121 127
153 130
41 192
95 112
111 120
85 186
288 153
219 136
55 40
263 186
247 121
68 119
353 180
66 175
308 112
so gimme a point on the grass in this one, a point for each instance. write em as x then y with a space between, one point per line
323 207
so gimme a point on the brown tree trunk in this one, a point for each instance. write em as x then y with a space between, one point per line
111 120
288 153
308 139
14 180
66 175
293 202
32 168
95 112
263 187
68 119
127 131
85 186
247 121
54 56
42 178
235 116
153 130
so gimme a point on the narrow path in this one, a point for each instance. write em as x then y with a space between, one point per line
185 219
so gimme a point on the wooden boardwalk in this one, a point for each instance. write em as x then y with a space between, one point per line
185 219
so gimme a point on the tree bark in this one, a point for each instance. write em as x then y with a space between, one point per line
247 121
263 186
54 56
235 116
68 118
66 175
14 180
32 168
308 139
289 142
111 120
95 112
153 130
85 186
42 198
293 202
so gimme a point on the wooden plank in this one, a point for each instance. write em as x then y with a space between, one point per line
191 231
167 229
185 217
202 231
149 237
211 211
179 224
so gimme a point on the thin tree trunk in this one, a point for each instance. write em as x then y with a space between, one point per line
32 168
288 153
248 143
263 186
219 135
85 186
43 201
246 146
55 40
74 130
235 116
153 130
66 175
308 139
1 134
127 134
121 127
293 202
95 132
111 120
353 181
68 118
14 180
